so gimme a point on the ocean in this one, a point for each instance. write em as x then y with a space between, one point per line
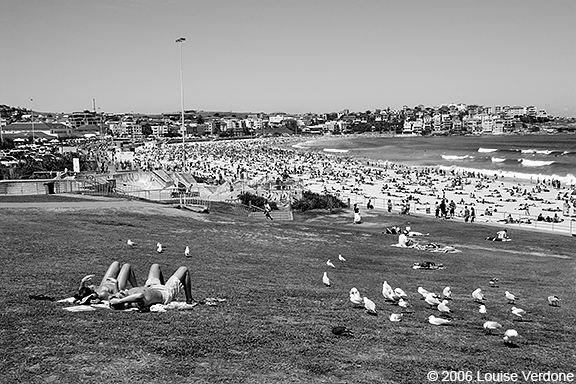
528 157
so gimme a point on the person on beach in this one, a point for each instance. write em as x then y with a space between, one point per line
115 279
369 205
472 214
466 214
389 205
155 290
357 217
500 236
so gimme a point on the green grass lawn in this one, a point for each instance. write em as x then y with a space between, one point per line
275 325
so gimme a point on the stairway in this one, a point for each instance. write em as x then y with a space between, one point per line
276 215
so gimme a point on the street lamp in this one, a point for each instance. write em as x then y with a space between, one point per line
179 41
32 110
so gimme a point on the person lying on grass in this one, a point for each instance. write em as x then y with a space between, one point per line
500 236
115 279
155 290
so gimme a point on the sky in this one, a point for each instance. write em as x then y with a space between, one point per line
293 56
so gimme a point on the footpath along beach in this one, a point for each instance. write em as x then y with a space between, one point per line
496 199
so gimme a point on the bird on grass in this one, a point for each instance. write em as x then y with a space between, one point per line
432 300
482 310
511 297
403 303
130 243
325 279
477 295
438 320
400 293
553 301
396 317
370 306
341 330
518 312
355 297
490 326
187 251
341 258
447 293
511 338
443 307
388 292
423 292
330 263
159 248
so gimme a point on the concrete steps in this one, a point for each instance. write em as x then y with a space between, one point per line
276 215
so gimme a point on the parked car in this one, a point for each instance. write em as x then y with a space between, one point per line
9 161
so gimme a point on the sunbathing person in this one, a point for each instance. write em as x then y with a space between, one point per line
500 236
114 280
155 290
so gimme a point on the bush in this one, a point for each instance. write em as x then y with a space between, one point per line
311 200
248 198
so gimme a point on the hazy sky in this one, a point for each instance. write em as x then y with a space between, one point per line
287 55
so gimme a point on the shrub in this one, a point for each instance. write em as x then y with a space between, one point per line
311 200
248 198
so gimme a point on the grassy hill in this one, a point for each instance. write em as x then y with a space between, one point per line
275 325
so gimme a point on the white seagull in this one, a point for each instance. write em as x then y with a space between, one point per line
553 300
400 293
159 247
438 320
187 251
432 299
130 243
341 258
443 307
370 306
489 326
482 310
395 317
447 293
355 297
325 279
388 293
511 337
423 292
403 303
511 298
477 295
518 312
330 263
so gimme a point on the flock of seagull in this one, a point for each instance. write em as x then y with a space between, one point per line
160 248
399 297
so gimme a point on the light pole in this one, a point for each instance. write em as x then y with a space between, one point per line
180 41
32 110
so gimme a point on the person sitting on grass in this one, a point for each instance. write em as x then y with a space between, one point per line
404 241
155 290
115 279
500 236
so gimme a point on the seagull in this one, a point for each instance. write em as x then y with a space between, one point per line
511 337
518 312
553 300
355 297
489 326
341 258
159 247
330 264
511 298
432 299
482 310
493 282
423 292
443 307
388 293
447 293
326 280
400 293
396 317
438 320
370 306
342 331
477 295
403 303
130 243
187 251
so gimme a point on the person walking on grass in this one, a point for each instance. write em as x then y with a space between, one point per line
267 210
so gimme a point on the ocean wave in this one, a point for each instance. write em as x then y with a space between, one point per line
568 179
454 157
486 150
538 151
498 159
535 163
334 150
